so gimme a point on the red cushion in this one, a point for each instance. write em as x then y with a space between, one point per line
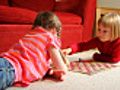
16 15
69 18
4 2
66 5
36 5
71 34
10 34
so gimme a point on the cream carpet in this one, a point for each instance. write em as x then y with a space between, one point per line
105 80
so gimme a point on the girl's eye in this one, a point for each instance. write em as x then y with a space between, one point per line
99 29
105 31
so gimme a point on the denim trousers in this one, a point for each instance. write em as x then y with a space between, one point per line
7 74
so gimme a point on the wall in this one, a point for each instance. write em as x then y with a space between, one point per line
109 3
106 3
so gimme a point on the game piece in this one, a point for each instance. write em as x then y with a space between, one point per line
80 61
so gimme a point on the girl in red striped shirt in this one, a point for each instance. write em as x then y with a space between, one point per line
28 60
107 40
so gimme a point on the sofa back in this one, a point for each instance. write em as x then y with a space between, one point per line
79 7
4 2
66 5
35 5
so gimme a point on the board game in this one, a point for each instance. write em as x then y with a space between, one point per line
87 67
90 67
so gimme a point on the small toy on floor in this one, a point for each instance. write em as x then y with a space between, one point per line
80 61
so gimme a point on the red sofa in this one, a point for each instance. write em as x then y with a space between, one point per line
17 16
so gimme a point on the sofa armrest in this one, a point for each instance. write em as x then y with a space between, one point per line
86 9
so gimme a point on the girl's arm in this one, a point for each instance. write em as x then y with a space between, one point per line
57 59
59 67
105 58
113 58
83 46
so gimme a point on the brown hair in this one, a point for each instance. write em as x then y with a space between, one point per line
47 20
111 20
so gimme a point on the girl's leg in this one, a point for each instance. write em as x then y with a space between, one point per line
7 74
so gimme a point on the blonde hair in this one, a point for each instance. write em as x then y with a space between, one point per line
47 20
111 20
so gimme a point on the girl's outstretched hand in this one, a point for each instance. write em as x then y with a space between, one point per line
56 74
67 51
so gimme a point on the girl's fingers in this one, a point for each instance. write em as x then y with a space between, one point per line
50 72
59 75
56 74
64 53
62 77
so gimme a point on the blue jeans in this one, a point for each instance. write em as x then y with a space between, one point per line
7 74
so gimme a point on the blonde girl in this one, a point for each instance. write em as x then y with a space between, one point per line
107 40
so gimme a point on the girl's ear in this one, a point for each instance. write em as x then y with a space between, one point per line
54 32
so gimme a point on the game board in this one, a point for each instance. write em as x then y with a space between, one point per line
90 67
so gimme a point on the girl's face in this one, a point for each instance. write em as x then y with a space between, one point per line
104 33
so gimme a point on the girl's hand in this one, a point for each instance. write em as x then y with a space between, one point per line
57 74
67 51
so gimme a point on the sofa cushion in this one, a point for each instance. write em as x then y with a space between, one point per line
71 34
4 2
66 5
10 34
69 18
36 5
16 15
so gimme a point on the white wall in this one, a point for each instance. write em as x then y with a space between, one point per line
109 3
